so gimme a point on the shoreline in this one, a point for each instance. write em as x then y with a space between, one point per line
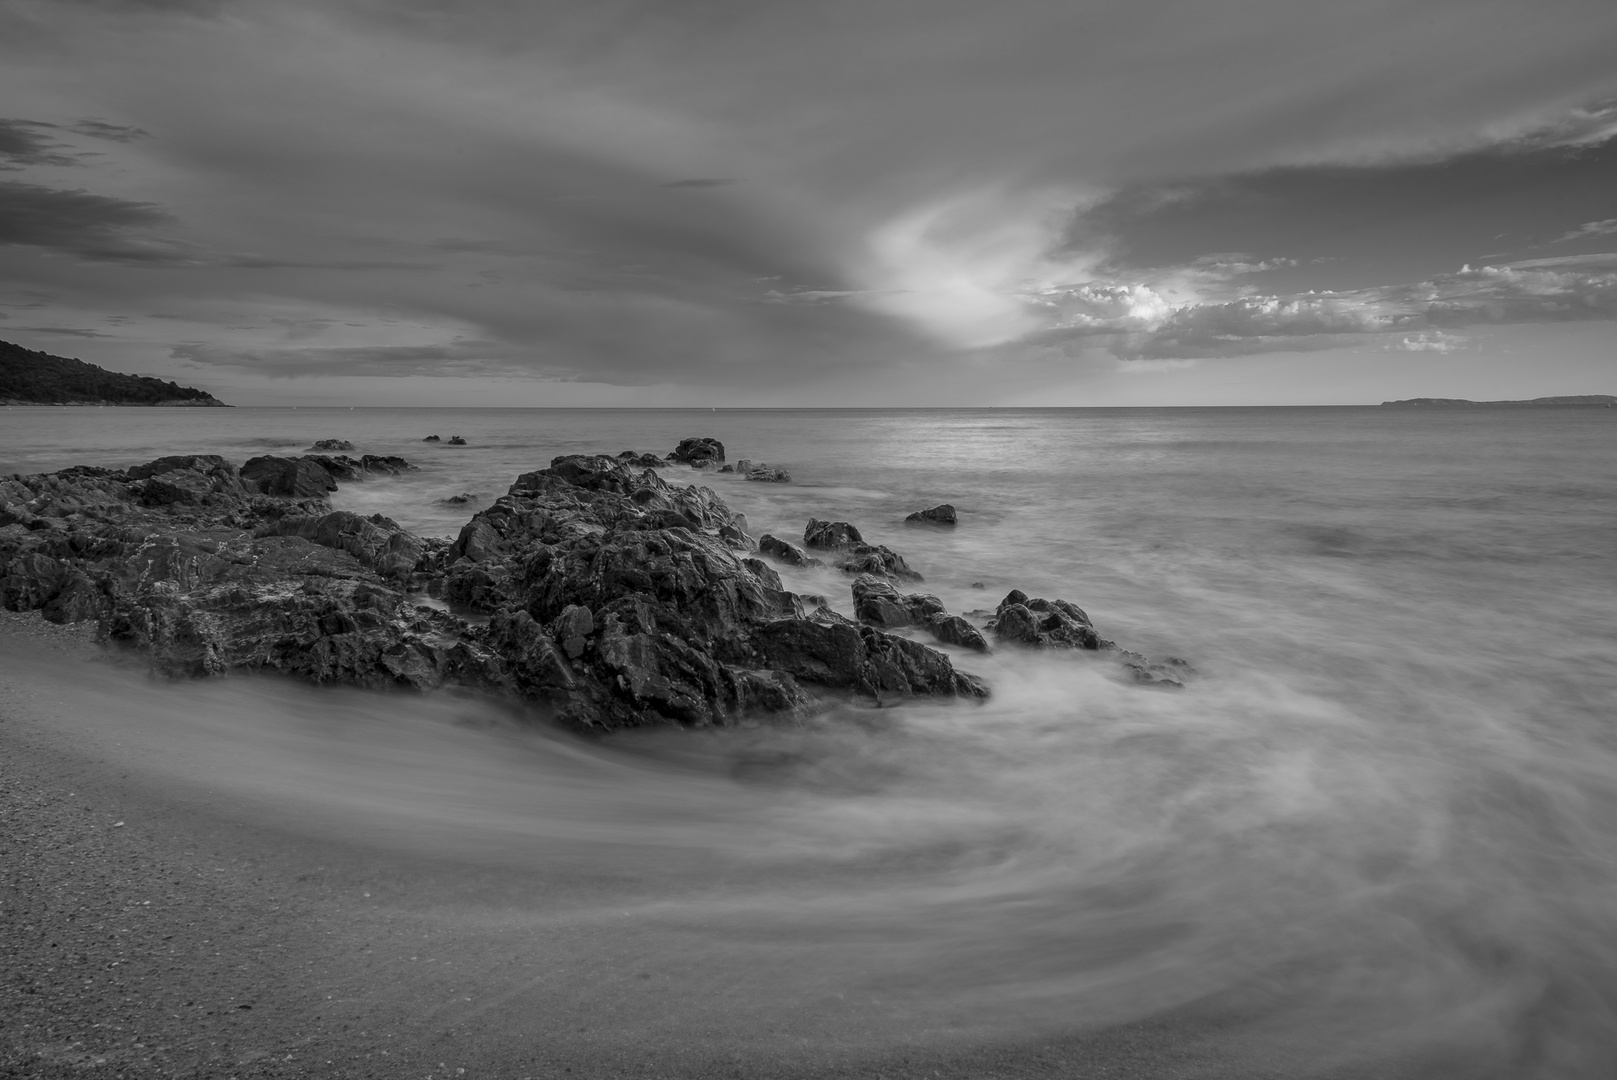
153 929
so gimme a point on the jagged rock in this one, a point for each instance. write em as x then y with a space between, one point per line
1045 624
785 551
768 474
432 438
877 603
860 658
456 440
377 542
612 595
830 535
458 500
300 477
875 559
727 468
854 555
332 444
698 449
641 461
942 514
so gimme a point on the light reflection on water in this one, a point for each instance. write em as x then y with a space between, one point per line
1385 814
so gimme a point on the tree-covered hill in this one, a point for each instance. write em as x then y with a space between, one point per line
36 378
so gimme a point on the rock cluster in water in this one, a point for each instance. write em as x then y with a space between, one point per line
593 585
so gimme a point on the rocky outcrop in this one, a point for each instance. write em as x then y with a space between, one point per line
768 474
332 444
877 603
637 460
456 440
700 449
432 438
853 555
942 514
1057 624
1044 624
600 589
785 551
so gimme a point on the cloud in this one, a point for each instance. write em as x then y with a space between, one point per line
1134 321
95 228
23 143
700 182
1435 342
66 331
1589 230
101 129
455 359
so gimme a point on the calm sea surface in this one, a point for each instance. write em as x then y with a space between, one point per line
1382 822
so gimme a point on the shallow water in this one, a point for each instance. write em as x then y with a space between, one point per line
1383 819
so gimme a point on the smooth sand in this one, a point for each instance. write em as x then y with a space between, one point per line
157 929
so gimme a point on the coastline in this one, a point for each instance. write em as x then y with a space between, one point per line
151 930
210 404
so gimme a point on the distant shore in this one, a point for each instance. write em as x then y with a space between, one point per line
211 403
1604 401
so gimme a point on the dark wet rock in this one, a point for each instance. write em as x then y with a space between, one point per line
861 658
854 556
456 440
978 585
874 559
942 514
727 468
432 438
1044 624
877 603
785 551
637 460
698 449
830 535
768 474
332 445
591 586
458 500
299 477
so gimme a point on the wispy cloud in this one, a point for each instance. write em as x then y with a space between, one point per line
1588 230
96 228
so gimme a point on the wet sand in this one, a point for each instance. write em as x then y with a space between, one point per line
158 929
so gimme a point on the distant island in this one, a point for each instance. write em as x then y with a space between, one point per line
1604 400
36 378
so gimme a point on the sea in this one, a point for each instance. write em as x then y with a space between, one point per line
1376 831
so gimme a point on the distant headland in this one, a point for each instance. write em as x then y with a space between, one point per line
1604 400
36 378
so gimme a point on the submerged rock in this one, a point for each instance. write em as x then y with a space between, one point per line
432 438
456 440
942 514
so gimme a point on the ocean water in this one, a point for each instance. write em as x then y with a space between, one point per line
1379 826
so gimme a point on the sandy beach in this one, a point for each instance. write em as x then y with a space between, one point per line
157 929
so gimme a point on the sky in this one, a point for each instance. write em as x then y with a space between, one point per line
844 202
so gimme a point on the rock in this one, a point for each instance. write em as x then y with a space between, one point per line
1168 673
769 474
875 559
877 603
458 500
830 535
978 585
860 658
432 438
942 514
299 478
1044 624
641 461
332 444
786 552
698 449
456 440
613 597
727 468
